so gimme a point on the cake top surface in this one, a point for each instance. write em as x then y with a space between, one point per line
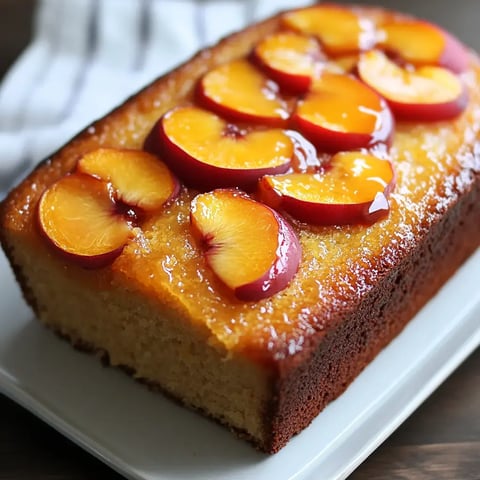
434 163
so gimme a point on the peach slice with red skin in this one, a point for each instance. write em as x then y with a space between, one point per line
291 59
207 152
342 113
352 189
86 215
424 94
138 178
250 247
241 93
79 218
339 29
423 43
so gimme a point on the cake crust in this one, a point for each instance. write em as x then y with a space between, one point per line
341 310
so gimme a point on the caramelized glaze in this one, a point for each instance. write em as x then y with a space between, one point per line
339 264
434 163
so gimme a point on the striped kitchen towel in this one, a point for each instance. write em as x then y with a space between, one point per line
86 56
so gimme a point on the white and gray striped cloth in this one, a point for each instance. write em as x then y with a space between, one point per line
86 56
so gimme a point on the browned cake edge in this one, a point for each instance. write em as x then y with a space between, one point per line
304 389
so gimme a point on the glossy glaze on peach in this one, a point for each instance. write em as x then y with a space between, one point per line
434 165
175 265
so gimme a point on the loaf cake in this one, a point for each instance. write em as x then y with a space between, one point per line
251 229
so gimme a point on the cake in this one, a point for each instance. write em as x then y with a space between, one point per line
258 306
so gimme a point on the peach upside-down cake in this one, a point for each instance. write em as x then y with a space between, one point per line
250 230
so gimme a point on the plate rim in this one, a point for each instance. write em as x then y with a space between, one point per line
459 340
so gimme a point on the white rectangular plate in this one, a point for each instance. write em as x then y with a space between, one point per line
145 436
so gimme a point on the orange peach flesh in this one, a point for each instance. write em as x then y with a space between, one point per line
340 30
204 136
353 178
332 96
416 41
139 178
290 52
239 86
425 85
78 216
239 250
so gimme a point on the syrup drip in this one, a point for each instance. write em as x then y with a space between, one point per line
305 157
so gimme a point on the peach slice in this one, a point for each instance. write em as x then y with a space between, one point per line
139 178
290 59
207 152
422 43
342 113
240 92
425 94
80 220
339 29
249 246
352 189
